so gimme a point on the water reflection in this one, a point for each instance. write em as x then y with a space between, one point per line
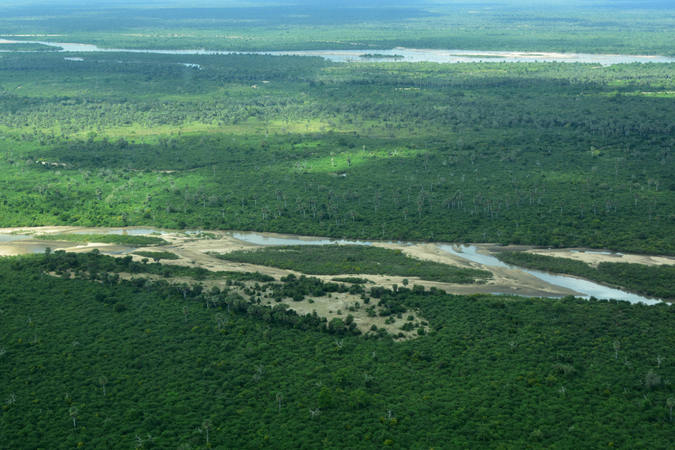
259 239
585 287
13 237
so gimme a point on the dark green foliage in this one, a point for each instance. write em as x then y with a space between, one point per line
248 276
100 266
298 287
341 259
156 256
654 281
545 154
132 361
354 280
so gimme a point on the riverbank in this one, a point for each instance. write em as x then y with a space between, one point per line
197 249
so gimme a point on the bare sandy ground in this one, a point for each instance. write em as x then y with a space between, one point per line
193 251
335 305
593 258
42 230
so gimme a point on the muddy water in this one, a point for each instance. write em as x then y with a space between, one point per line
260 239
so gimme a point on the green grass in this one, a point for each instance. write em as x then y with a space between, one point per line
354 259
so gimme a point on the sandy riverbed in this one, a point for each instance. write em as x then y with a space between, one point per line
193 251
594 258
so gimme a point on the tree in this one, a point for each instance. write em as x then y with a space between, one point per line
279 397
102 380
652 379
73 411
206 425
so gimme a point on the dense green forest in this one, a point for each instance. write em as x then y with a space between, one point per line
654 281
543 153
355 259
136 364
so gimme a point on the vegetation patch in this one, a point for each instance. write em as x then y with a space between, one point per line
354 259
156 256
353 280
380 56
27 47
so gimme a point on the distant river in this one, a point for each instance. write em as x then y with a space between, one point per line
398 54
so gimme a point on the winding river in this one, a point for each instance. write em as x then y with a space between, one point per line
586 288
398 54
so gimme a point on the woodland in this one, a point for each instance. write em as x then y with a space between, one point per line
97 362
545 153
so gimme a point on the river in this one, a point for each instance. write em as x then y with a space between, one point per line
586 288
398 54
